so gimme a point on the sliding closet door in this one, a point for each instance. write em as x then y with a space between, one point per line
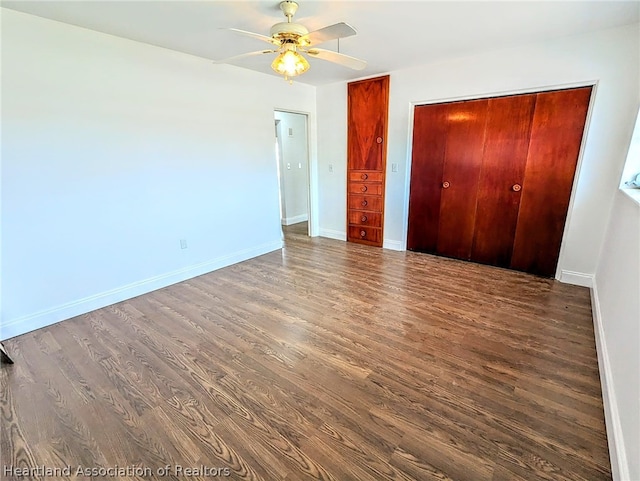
446 163
429 141
491 179
501 179
462 163
556 136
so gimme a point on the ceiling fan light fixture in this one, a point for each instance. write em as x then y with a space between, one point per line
290 39
290 64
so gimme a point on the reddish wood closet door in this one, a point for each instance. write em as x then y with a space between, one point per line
556 136
367 123
446 161
460 174
368 102
499 189
491 179
430 136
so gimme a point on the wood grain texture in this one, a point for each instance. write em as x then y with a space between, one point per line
556 137
365 235
372 219
491 179
367 188
462 165
368 203
427 163
368 104
367 114
296 366
366 176
503 166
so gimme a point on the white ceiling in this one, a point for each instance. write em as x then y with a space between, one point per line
391 34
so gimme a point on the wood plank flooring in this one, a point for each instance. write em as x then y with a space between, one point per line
326 361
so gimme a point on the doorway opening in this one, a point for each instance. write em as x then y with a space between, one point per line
292 157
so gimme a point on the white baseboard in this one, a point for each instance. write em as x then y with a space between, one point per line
333 234
392 245
295 219
68 310
576 278
339 235
617 452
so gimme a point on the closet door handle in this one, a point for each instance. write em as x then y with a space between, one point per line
516 188
446 185
379 140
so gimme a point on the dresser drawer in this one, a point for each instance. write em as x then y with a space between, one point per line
365 202
365 176
365 188
365 234
371 219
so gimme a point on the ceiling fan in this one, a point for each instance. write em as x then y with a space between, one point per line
291 39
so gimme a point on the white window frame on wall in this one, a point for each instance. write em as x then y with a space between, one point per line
632 164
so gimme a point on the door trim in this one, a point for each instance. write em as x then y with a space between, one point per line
312 170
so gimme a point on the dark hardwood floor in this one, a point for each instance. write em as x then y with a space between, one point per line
328 360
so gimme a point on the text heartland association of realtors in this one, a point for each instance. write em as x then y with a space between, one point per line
115 471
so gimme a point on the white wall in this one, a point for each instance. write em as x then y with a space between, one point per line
332 160
609 58
294 168
616 297
112 152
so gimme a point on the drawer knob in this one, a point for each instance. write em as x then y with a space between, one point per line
363 233
365 203
363 188
364 176
446 185
516 187
364 218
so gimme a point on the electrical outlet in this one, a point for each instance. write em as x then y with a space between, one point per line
288 165
394 167
183 243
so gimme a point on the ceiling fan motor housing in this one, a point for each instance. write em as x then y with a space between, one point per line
288 29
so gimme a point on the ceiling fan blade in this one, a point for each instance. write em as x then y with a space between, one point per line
245 55
337 30
259 36
339 58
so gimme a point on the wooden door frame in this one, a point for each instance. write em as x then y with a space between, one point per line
576 279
